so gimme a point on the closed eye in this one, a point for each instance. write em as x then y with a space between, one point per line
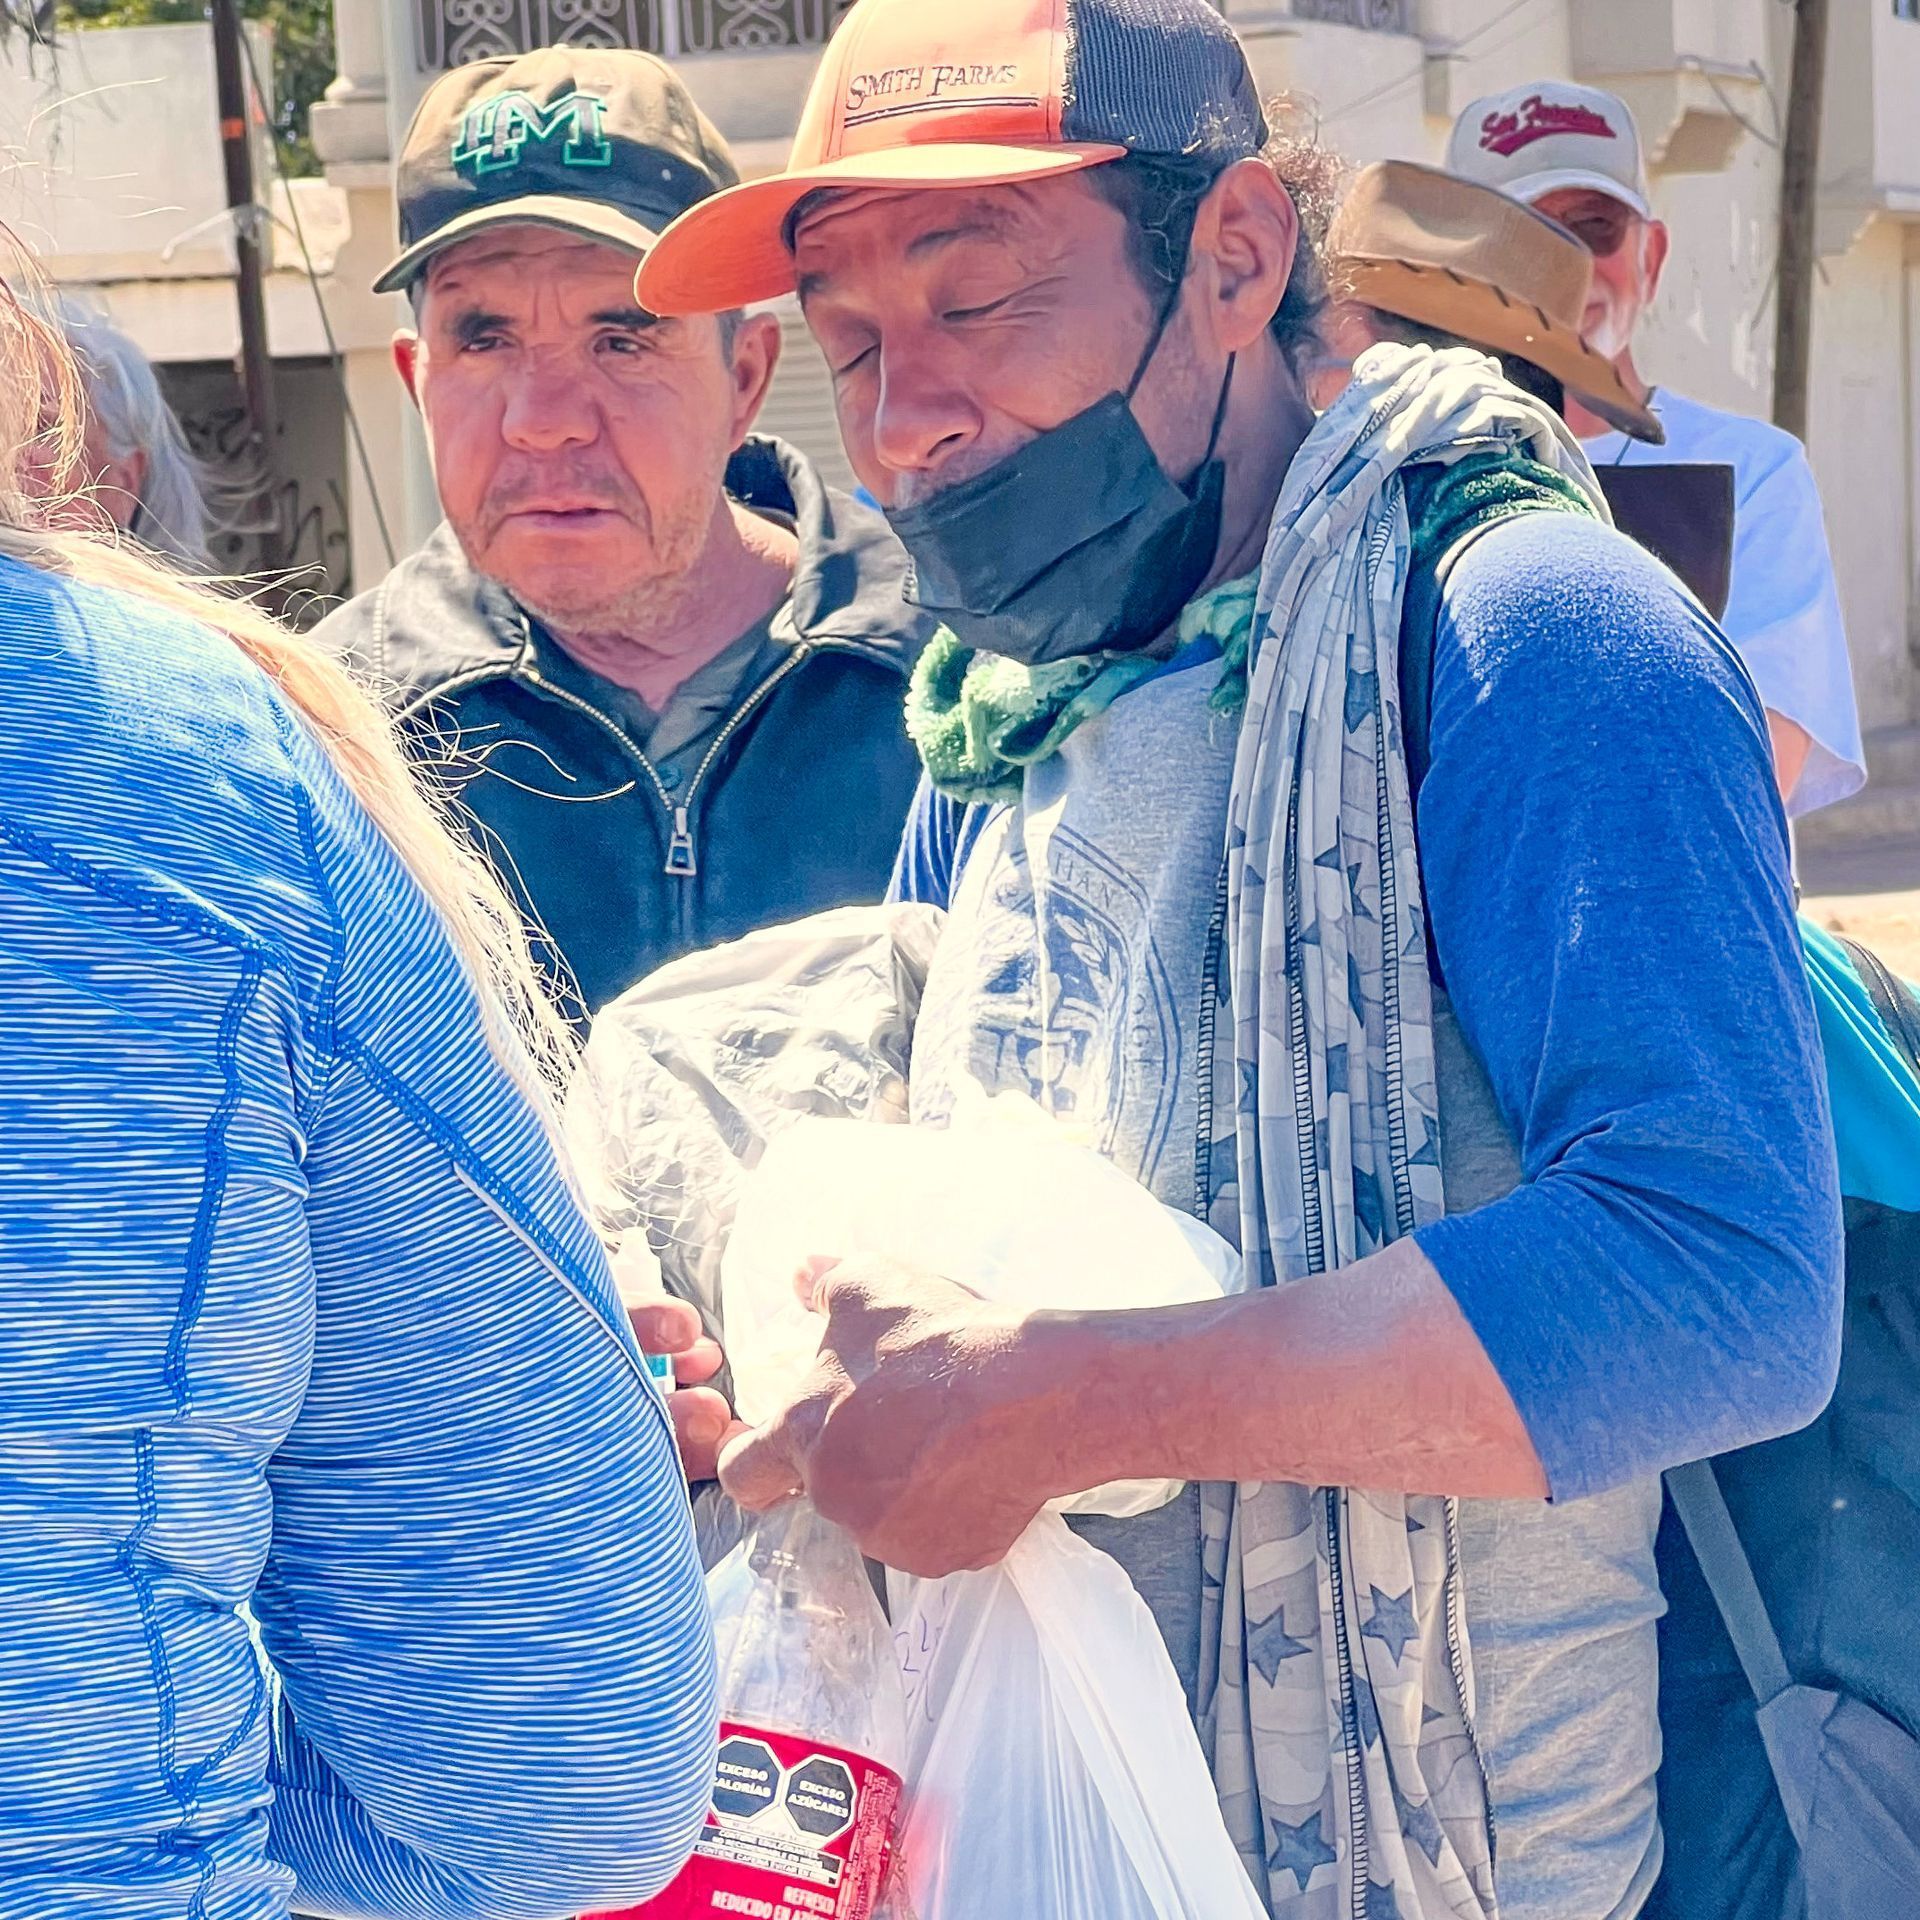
978 313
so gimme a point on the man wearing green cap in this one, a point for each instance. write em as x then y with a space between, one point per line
1369 849
662 659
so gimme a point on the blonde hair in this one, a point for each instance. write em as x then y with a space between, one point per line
42 432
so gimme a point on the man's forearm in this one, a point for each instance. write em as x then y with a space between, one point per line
1370 1377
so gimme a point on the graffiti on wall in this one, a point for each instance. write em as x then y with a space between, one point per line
307 538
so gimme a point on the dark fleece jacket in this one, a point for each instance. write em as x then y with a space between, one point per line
798 807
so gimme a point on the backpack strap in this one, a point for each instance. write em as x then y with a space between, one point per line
1791 1731
1702 1507
1893 1000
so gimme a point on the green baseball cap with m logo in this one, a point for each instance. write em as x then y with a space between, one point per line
602 142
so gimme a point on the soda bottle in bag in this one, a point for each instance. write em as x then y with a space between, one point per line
813 1736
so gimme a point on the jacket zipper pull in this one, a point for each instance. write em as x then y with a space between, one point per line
680 856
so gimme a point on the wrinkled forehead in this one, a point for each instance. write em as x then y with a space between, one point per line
516 257
849 240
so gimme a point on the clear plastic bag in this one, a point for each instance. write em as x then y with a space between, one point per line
693 1070
1053 1772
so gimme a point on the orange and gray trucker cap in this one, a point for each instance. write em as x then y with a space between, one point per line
969 93
599 141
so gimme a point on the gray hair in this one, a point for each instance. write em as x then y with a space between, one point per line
123 396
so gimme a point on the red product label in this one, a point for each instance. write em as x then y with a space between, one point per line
797 1831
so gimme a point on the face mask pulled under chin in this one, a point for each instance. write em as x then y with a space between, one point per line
1076 543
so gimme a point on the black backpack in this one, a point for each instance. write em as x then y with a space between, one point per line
1810 1548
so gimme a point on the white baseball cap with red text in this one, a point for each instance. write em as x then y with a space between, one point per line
1549 135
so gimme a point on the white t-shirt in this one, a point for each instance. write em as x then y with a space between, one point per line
1784 610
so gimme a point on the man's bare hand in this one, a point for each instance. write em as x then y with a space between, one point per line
702 1420
925 1429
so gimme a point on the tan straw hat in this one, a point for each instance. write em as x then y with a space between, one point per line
1466 260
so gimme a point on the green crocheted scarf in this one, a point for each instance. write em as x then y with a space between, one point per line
980 720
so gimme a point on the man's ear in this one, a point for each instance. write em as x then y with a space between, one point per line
408 354
1655 260
756 353
1248 229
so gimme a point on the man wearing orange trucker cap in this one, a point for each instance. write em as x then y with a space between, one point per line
1054 261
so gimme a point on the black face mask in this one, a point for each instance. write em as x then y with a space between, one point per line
1076 543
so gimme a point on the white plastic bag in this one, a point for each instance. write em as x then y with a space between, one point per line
1053 1772
1052 1769
1004 1201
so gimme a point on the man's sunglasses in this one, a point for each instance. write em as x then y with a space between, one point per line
1602 233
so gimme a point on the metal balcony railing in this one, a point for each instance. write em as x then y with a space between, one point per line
452 32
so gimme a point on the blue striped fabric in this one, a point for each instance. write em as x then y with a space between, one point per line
297 1317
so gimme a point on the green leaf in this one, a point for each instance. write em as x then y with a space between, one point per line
303 59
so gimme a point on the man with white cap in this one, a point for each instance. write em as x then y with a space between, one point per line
1575 154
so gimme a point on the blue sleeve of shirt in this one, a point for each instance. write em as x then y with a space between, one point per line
1607 876
482 1598
941 832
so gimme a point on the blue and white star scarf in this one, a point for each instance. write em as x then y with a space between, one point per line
1337 1692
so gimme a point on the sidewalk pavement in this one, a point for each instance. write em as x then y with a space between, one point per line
1873 895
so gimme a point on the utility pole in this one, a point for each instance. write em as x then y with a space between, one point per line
1799 215
256 361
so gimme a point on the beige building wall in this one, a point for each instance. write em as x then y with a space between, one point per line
1707 79
1862 443
1382 77
112 175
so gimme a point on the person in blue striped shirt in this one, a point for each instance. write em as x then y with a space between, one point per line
345 1559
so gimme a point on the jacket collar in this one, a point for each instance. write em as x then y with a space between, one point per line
435 620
